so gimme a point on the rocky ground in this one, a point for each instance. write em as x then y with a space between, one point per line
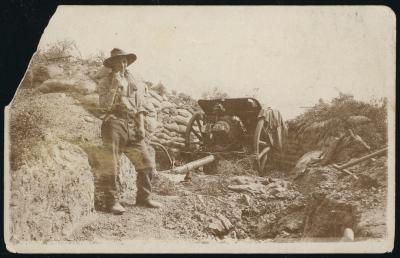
226 206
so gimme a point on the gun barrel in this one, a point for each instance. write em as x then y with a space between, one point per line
191 165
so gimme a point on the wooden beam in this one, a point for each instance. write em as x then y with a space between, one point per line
355 162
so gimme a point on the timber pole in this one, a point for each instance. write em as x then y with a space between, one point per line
354 162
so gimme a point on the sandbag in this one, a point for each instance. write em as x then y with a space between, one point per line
166 104
149 106
182 129
156 96
184 113
162 135
162 141
155 102
168 132
151 124
152 114
179 139
180 120
172 112
166 111
172 127
164 97
177 144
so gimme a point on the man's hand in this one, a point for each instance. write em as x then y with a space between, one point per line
141 133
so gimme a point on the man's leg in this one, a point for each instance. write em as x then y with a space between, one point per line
139 155
112 140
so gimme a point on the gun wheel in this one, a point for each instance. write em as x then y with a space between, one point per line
262 146
194 133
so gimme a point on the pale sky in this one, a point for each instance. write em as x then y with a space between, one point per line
295 55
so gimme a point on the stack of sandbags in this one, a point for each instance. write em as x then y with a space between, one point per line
172 120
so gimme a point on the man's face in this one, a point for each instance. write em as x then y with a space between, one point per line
121 64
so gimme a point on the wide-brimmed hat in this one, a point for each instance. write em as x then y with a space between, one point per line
117 53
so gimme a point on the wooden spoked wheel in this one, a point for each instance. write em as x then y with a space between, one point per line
194 133
262 146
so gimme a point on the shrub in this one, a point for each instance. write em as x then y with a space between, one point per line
332 119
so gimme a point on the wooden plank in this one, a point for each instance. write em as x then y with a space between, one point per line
355 162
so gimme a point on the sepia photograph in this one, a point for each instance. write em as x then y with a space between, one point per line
205 129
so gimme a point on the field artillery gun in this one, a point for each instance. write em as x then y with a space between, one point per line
233 126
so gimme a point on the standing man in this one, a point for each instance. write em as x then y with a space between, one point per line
123 130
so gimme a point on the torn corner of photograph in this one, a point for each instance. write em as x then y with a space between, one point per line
207 129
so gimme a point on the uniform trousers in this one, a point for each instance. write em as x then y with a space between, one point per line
120 138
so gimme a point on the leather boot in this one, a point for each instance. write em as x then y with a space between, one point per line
117 209
148 203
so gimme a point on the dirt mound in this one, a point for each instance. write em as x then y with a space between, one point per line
48 211
46 147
